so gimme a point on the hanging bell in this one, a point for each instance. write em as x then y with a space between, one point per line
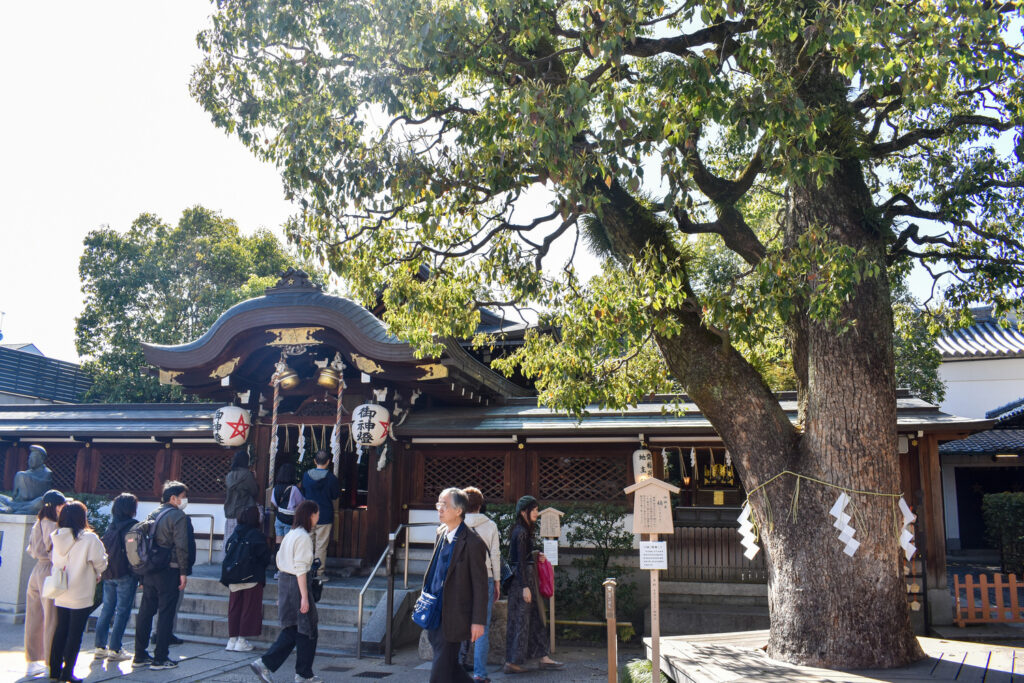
288 378
328 378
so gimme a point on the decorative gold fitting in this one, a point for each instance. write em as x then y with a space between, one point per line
328 378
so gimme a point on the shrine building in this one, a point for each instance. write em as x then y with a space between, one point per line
454 422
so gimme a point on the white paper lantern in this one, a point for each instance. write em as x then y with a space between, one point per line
643 464
370 424
231 426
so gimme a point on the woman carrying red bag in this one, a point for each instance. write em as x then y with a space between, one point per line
526 637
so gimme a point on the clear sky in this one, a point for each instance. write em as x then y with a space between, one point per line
98 127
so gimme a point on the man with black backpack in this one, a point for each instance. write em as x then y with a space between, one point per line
158 548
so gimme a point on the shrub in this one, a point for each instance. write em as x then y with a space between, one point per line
1004 525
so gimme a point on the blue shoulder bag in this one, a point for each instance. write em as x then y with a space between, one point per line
426 613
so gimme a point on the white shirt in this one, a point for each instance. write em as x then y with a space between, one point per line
295 556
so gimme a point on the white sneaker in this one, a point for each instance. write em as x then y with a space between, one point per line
35 668
231 644
101 653
242 645
314 679
120 656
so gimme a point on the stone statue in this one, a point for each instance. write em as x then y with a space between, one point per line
29 485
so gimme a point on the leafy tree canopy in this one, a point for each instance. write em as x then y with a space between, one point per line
163 284
412 146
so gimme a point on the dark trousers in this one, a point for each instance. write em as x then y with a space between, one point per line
245 612
67 641
288 639
446 667
160 597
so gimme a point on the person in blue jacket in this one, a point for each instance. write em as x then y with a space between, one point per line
321 486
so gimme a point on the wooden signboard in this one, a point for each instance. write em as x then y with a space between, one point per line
551 523
652 507
652 514
551 528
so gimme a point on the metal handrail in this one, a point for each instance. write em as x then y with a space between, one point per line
388 553
212 521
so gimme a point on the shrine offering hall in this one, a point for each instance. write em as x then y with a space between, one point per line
298 370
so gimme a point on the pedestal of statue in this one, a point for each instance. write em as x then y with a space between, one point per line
16 566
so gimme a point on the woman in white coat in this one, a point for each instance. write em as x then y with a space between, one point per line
81 554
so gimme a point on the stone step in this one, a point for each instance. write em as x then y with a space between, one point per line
215 627
217 605
708 619
334 592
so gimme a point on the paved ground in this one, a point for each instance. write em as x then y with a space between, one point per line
207 662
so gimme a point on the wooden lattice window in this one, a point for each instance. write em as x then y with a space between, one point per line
582 478
204 471
64 464
487 473
126 471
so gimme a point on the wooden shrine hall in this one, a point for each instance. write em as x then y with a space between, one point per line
454 422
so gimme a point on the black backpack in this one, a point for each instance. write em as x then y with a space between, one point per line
238 561
141 549
117 559
282 496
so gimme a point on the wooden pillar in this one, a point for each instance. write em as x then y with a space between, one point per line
83 469
939 600
380 494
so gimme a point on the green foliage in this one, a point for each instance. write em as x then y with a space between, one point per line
166 285
636 671
679 132
98 507
1004 525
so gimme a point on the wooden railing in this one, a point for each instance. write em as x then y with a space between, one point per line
706 547
985 602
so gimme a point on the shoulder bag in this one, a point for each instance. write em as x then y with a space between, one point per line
56 584
426 613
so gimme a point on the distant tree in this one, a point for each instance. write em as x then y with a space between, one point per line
164 284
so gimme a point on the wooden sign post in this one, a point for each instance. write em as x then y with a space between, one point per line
652 514
551 531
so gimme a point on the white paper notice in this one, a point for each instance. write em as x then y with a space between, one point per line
551 552
653 555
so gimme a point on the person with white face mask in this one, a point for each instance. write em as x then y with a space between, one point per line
161 587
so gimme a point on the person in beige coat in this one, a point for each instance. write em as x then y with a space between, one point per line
81 554
40 613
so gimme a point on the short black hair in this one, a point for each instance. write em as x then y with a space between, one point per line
250 516
240 461
285 474
322 457
124 506
173 488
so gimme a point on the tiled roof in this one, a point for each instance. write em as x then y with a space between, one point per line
108 420
986 338
1007 413
987 443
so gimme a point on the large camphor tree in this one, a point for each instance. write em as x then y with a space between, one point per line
756 177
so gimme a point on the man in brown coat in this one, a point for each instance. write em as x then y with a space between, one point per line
458 575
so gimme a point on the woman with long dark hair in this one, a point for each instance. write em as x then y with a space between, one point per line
245 606
78 551
40 612
119 582
295 605
525 636
242 490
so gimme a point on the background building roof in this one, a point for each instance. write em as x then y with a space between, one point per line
30 375
986 338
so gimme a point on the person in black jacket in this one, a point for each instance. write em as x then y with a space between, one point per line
245 606
119 583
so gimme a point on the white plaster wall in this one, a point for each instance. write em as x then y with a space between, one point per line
974 387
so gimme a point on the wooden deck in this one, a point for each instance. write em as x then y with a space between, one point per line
737 657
